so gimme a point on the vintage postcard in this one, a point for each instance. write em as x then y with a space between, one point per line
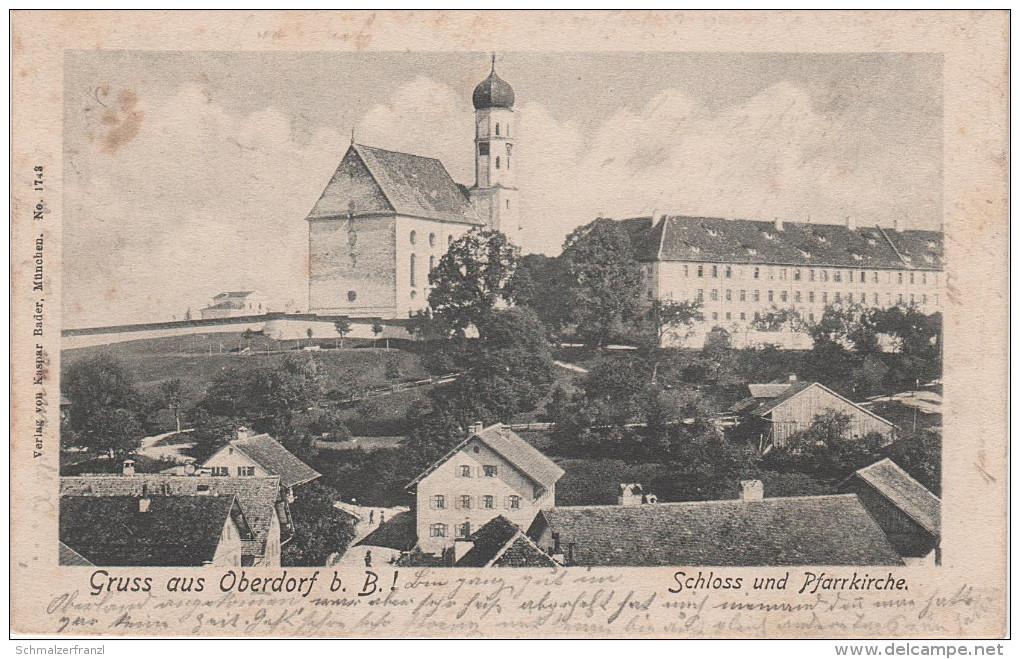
482 324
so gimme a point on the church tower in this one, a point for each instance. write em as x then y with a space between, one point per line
494 194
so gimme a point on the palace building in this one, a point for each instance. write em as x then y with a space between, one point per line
386 218
742 270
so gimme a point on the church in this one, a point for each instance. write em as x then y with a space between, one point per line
386 218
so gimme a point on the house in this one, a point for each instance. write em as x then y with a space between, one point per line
908 513
778 409
741 270
261 500
385 218
492 472
500 543
258 455
232 304
752 530
153 530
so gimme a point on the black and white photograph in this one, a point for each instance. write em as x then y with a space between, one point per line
501 309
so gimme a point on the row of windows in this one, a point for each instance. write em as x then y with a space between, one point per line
413 237
225 471
414 274
439 530
798 274
488 471
798 296
466 502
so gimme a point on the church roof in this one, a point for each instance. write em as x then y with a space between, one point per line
380 182
493 92
686 238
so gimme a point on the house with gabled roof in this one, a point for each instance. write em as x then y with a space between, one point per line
260 498
231 304
385 218
251 455
493 472
776 410
152 530
908 513
500 543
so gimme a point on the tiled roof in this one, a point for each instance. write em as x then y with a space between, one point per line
257 497
176 531
412 185
684 238
816 530
905 493
398 532
275 459
514 450
500 542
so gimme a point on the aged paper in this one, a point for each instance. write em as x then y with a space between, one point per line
282 364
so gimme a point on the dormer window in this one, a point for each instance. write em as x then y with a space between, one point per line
928 258
821 238
931 244
856 257
871 241
806 254
752 251
768 236
710 231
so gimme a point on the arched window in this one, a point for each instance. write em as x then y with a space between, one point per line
351 296
508 201
508 162
412 270
354 259
414 237
497 129
432 240
508 129
497 162
449 241
432 263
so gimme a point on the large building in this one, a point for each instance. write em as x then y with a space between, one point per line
742 270
386 218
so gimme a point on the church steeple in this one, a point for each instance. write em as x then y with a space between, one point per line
494 194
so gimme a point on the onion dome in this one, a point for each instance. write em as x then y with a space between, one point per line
493 92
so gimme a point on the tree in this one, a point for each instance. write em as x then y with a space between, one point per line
264 396
104 405
320 529
343 327
472 279
605 280
828 448
173 396
541 283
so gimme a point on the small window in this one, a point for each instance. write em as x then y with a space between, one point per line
449 241
715 271
782 296
899 277
508 167
770 296
825 297
483 148
729 316
465 501
796 296
508 162
203 488
464 530
782 274
488 501
353 259
811 275
439 502
497 162
757 272
352 296
490 471
413 278
432 240
796 275
465 471
352 238
497 129
743 296
687 271
714 294
837 276
729 295
729 272
414 237
811 297
874 277
514 502
715 315
438 530
743 316
701 271
757 296
432 263
701 294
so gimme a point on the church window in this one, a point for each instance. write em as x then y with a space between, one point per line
508 167
352 238
432 240
432 263
354 259
351 296
497 129
497 162
412 271
483 148
414 237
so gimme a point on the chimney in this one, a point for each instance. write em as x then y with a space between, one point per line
242 433
144 501
779 224
476 427
752 490
792 377
129 468
629 495
851 223
461 546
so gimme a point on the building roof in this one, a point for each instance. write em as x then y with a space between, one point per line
258 497
685 238
69 557
769 389
767 397
275 459
241 294
814 530
914 499
410 185
398 532
175 531
508 444
500 542
493 92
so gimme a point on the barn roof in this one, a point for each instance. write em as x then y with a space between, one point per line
508 444
412 185
258 497
687 238
813 530
175 531
888 479
275 459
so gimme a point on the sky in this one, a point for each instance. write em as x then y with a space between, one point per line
190 173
